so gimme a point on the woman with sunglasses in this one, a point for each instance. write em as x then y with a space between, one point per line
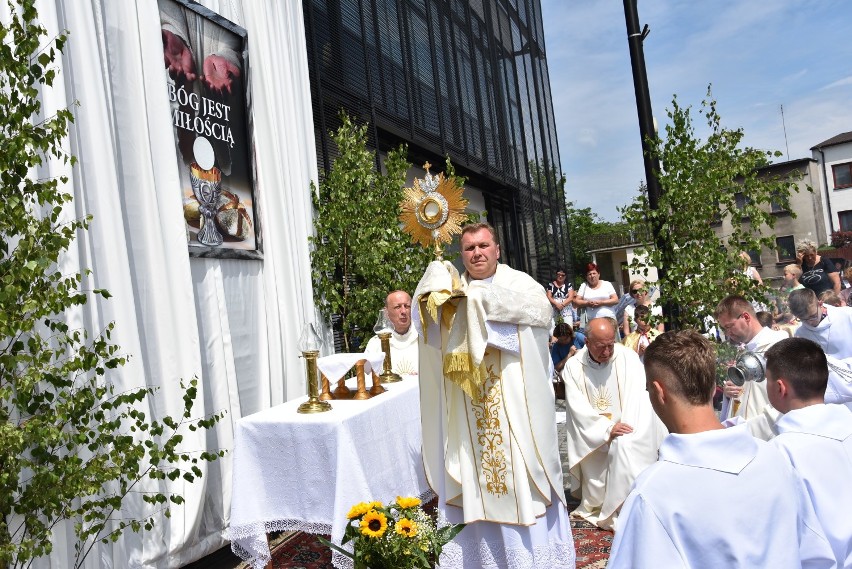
639 293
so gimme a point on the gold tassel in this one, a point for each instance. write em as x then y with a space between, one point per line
459 369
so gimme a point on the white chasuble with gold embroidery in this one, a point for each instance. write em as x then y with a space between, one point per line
597 396
489 431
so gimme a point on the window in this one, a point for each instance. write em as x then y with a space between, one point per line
845 220
741 199
786 248
778 205
842 175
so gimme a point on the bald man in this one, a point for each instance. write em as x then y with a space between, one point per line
612 431
403 342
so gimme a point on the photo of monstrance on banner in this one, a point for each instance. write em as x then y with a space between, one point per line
206 59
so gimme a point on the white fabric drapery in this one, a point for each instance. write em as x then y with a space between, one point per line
234 324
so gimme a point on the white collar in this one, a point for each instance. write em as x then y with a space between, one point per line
830 421
726 450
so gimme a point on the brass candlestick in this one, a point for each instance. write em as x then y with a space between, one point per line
362 392
388 376
313 404
377 388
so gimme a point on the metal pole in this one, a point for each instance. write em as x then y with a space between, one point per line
635 37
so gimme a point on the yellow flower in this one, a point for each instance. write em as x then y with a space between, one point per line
375 505
358 510
406 503
406 527
374 524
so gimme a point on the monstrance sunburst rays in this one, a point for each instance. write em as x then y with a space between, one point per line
433 210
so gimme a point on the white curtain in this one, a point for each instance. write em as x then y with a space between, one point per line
233 324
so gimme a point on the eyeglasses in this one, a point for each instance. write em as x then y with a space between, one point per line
560 274
637 291
731 323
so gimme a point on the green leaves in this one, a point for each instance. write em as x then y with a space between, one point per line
71 447
714 205
359 253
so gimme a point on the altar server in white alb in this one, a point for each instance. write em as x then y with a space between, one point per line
490 446
828 326
679 512
612 432
403 340
816 437
738 320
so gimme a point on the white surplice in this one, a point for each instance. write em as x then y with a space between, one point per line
675 516
754 407
404 351
597 396
833 333
818 441
493 460
839 388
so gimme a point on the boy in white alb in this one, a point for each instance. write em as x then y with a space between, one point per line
816 437
678 513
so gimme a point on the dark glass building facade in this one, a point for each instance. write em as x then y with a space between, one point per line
464 78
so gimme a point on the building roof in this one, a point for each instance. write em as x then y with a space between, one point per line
834 140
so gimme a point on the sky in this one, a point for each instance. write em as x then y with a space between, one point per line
757 54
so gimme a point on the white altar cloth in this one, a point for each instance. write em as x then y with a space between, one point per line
304 472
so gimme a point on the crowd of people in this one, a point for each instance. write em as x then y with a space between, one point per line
762 483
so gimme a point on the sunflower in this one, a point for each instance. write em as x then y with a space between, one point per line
374 524
359 510
406 528
405 503
375 505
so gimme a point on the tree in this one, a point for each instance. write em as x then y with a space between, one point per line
703 181
360 254
584 226
71 447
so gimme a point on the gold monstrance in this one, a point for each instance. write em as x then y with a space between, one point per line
433 211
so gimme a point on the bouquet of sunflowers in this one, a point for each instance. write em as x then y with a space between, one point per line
397 536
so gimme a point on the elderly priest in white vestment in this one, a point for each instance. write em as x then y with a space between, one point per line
490 446
816 437
612 432
403 340
679 512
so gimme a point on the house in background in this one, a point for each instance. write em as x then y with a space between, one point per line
613 253
809 221
834 157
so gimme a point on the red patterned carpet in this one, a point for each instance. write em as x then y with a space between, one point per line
304 551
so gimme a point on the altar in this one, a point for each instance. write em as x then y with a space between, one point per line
304 471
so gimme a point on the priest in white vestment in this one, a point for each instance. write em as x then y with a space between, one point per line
737 319
490 446
403 340
815 437
679 513
828 326
612 432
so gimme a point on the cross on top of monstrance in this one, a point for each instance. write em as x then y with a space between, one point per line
433 210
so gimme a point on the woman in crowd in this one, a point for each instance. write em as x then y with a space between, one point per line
750 271
818 274
846 293
639 292
561 295
596 296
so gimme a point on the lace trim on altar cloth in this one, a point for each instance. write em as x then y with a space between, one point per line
555 555
249 542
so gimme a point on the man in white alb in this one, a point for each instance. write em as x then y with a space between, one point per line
403 341
611 429
828 326
490 446
675 515
737 319
816 437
